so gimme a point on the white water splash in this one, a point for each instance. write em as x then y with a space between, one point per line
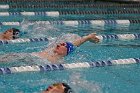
90 87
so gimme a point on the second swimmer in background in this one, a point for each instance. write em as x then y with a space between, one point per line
10 34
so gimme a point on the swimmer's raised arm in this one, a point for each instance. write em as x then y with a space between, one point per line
90 37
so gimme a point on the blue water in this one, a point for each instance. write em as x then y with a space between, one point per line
112 79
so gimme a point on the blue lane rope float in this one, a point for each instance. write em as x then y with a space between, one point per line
101 37
58 13
77 22
55 67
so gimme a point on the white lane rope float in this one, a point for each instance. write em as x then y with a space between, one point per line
4 6
55 67
47 13
24 40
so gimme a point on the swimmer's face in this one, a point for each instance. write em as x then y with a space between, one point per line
11 33
8 34
55 88
61 49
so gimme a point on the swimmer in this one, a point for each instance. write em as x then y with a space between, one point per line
65 48
58 88
10 34
53 54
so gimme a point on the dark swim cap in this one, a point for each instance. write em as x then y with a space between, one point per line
16 33
70 47
67 88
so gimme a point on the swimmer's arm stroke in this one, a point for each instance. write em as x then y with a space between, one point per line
91 37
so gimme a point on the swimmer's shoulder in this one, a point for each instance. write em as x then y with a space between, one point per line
34 54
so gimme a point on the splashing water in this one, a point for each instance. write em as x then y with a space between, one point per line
63 38
84 84
38 29
44 30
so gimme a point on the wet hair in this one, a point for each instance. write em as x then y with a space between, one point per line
67 88
16 33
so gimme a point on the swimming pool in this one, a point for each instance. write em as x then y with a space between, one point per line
98 79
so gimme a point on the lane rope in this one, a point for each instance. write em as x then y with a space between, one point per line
58 13
77 22
101 37
55 67
92 5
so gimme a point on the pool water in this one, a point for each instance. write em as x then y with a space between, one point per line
110 79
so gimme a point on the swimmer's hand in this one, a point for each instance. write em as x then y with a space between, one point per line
92 38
